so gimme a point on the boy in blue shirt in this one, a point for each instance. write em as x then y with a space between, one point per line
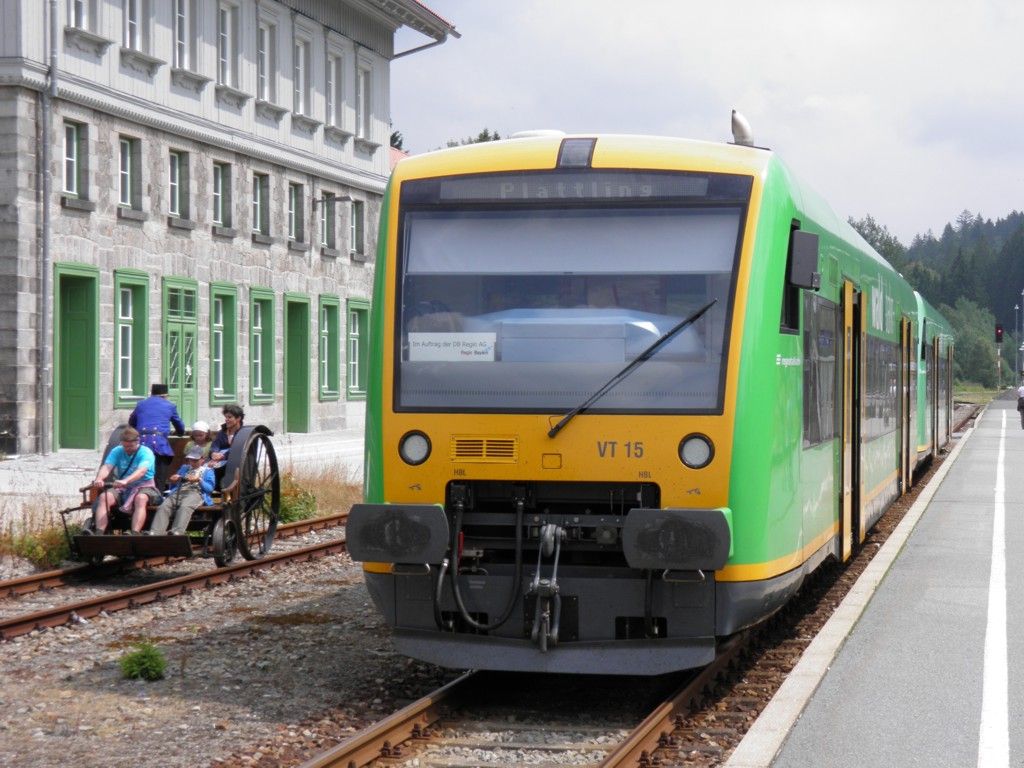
193 484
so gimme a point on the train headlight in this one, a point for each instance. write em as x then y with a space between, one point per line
696 451
414 448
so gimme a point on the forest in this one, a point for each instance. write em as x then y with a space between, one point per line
974 273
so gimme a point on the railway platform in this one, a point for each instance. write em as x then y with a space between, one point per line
923 663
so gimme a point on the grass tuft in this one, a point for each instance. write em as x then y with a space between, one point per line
146 662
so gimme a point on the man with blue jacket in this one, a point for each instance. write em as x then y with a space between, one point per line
153 418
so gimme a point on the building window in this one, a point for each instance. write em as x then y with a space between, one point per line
81 14
327 220
334 90
177 185
363 103
223 343
222 194
131 290
356 227
300 78
295 216
183 15
129 174
261 203
261 345
226 44
75 163
358 341
132 37
265 57
329 348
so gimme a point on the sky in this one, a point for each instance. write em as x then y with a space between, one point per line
908 110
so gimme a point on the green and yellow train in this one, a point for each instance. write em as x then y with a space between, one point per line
627 393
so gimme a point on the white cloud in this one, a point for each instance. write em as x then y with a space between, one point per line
909 110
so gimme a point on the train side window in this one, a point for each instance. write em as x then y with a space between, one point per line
821 370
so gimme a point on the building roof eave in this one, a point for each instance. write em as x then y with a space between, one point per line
416 16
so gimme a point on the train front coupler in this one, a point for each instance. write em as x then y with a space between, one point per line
548 612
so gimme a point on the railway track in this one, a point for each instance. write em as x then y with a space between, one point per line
454 725
76 574
699 724
15 626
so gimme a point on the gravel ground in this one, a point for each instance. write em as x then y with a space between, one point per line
266 671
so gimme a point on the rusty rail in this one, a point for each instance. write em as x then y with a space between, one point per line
383 739
132 598
26 585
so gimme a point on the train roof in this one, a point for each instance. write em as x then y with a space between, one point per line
538 150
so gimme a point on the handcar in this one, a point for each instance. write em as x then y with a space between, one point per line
243 517
626 393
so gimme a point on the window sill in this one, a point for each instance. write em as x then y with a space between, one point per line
177 222
270 111
141 62
258 238
336 134
131 214
355 395
219 231
223 398
327 397
189 80
77 204
329 253
305 123
264 398
232 97
84 40
357 256
365 145
298 246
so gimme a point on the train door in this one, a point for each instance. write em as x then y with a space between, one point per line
935 392
948 399
861 377
849 520
907 438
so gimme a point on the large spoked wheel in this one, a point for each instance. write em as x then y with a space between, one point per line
259 494
224 544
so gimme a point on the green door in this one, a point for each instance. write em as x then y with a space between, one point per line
77 356
180 357
296 364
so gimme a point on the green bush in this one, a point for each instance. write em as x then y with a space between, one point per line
146 662
297 503
44 549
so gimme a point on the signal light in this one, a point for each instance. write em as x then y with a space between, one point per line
999 333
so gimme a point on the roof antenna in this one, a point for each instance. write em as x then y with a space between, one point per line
741 133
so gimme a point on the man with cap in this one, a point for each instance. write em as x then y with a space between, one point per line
153 417
193 484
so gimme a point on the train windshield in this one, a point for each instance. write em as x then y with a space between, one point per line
532 305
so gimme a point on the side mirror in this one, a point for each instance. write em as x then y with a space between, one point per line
803 261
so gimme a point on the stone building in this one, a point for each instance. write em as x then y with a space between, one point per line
189 192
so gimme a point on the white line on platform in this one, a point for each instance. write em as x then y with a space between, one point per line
994 739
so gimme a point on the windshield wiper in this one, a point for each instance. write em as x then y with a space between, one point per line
640 359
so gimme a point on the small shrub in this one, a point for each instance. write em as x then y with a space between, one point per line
146 662
44 549
297 503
